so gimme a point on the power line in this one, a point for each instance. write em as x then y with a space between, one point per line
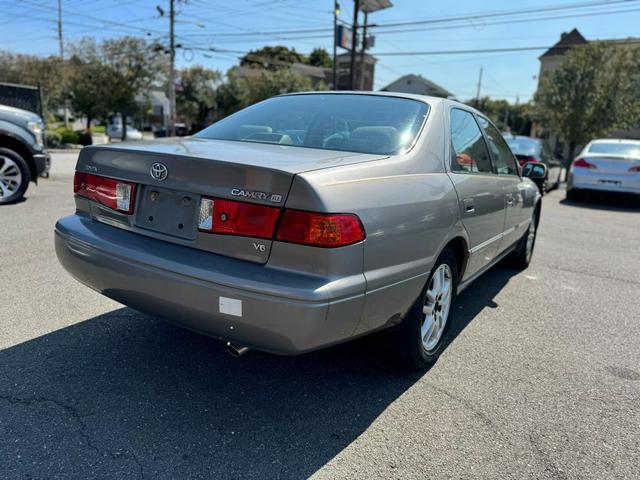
431 52
505 13
452 19
489 50
424 29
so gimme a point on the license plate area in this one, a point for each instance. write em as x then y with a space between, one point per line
171 212
616 183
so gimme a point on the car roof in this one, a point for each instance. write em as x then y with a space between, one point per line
413 96
421 98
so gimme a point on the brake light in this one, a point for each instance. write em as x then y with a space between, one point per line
112 193
230 217
635 169
237 218
522 159
582 163
320 229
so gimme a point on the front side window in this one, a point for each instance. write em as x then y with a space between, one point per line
355 123
470 152
503 159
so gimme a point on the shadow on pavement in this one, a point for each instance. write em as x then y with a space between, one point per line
123 395
606 201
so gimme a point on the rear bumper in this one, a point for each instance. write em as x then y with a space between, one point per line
281 312
588 180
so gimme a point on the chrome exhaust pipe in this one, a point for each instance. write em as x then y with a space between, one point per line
236 350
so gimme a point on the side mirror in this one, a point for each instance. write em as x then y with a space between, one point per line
537 172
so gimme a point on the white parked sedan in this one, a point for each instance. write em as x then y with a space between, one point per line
114 132
610 164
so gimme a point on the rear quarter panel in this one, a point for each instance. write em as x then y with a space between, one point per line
409 210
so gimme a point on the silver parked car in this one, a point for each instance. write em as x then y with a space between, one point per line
610 165
305 220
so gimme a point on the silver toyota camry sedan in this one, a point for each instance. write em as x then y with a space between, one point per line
305 220
610 165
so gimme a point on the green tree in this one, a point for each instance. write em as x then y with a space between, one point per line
272 58
506 116
319 57
595 90
196 99
89 81
133 66
32 70
241 91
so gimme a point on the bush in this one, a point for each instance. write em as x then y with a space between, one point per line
53 139
67 135
84 138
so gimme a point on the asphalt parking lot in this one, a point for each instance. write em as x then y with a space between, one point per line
541 378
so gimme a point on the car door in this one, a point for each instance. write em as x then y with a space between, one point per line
480 196
510 183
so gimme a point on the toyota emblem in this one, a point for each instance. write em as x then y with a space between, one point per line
159 171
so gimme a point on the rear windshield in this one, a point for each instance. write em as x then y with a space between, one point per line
355 123
622 149
524 146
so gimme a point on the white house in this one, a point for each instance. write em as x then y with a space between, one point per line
418 85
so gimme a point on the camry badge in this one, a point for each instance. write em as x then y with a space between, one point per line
159 171
272 197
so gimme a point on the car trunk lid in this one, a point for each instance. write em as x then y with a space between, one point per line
172 178
612 165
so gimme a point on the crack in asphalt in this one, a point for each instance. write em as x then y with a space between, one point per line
592 274
79 418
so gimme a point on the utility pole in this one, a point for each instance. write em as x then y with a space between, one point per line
354 46
336 12
479 86
362 52
172 70
62 79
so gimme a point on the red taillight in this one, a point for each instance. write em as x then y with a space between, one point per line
320 229
635 169
582 163
306 228
522 159
111 193
237 218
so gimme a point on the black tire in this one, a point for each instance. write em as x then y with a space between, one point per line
25 178
411 350
521 257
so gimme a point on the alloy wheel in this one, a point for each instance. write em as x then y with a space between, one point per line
10 177
436 307
531 237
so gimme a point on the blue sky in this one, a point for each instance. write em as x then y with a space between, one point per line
29 26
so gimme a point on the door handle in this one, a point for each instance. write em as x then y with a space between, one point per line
509 199
468 205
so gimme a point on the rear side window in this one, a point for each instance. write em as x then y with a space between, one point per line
503 159
623 149
470 152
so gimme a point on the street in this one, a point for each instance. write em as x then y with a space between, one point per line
541 378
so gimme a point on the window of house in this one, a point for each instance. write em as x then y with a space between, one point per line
470 152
